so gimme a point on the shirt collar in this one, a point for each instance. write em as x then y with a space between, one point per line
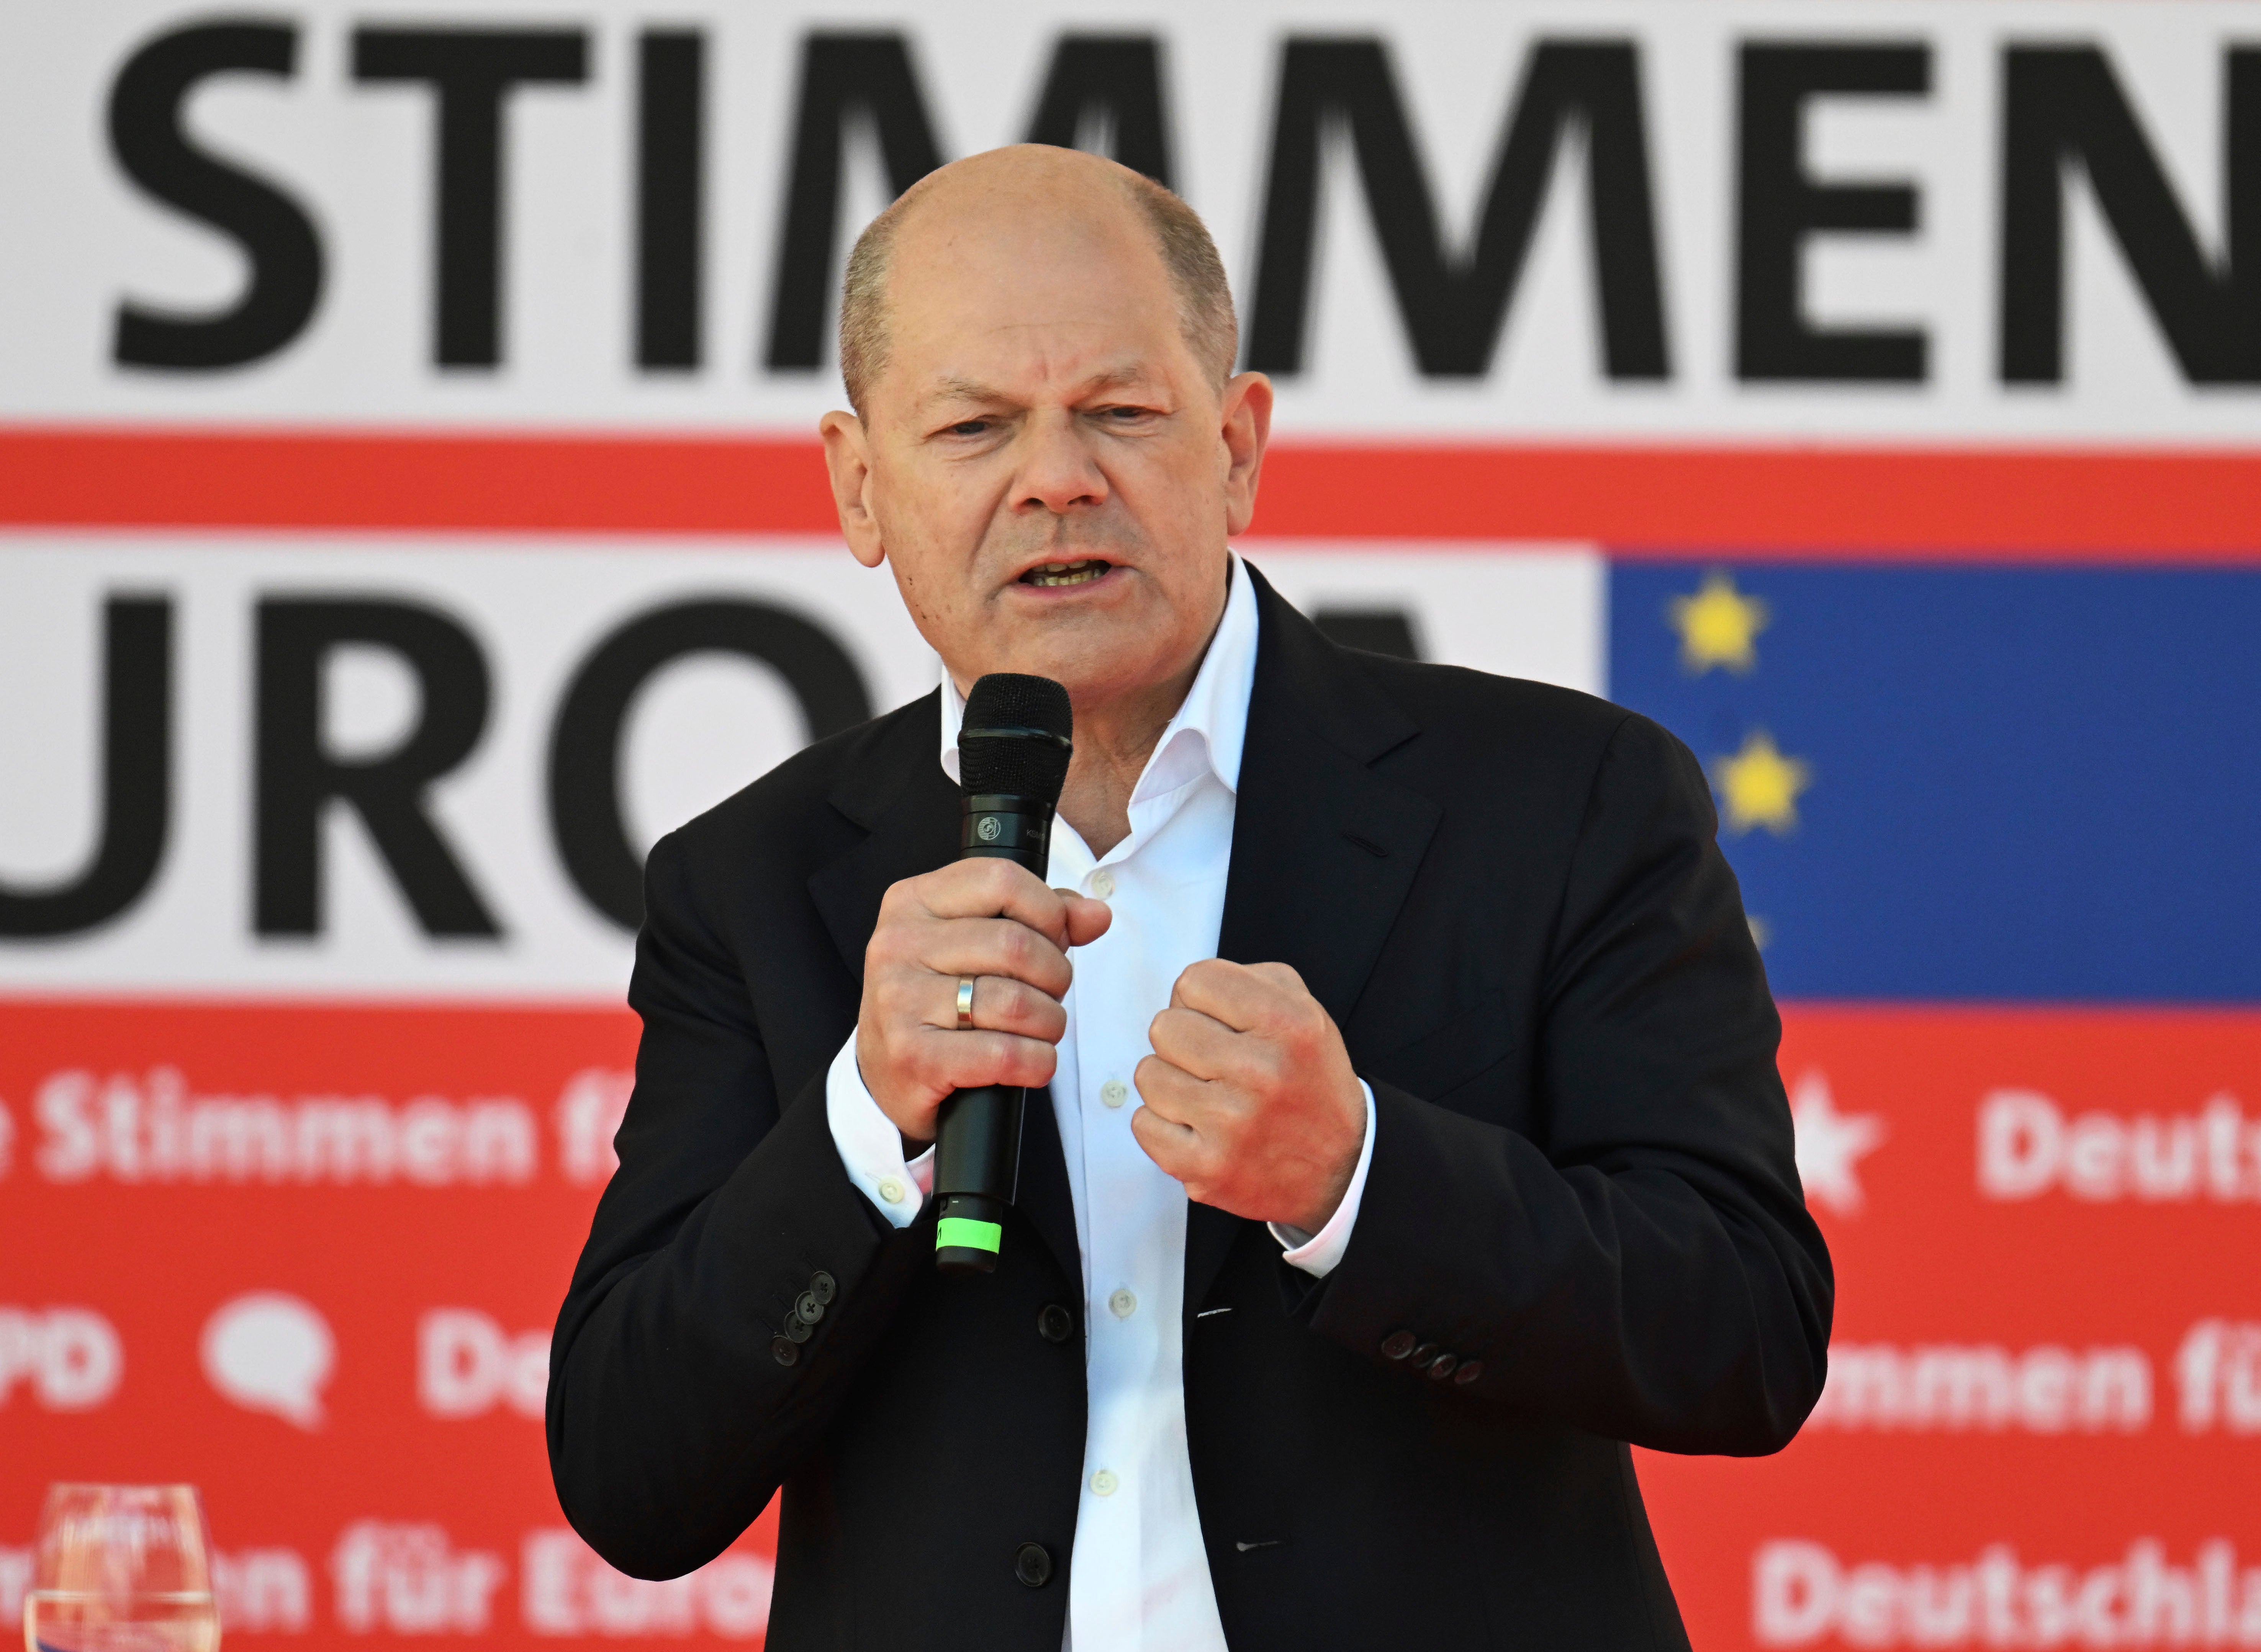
1210 728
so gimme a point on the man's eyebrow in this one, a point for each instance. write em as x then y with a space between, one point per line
1116 378
964 389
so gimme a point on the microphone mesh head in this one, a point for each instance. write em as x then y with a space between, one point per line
1001 746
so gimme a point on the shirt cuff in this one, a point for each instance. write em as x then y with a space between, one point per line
872 1148
1318 1254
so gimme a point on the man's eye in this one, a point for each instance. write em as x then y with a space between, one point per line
970 428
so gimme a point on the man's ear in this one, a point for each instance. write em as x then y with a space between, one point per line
848 457
1248 427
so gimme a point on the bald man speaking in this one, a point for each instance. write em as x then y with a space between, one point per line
1404 1134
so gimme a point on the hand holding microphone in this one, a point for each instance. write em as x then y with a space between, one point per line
988 918
1250 1097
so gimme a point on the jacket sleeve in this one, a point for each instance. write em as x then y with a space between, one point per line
1642 1266
671 1418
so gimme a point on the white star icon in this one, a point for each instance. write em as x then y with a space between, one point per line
1828 1143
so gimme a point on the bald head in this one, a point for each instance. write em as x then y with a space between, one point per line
1033 190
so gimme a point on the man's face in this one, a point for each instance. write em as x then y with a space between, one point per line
1048 467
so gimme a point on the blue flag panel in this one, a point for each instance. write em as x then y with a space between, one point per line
1971 783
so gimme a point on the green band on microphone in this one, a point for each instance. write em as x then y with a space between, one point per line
956 1232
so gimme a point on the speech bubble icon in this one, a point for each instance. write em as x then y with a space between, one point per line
271 1351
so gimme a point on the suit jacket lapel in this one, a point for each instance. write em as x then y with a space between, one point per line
1323 849
899 794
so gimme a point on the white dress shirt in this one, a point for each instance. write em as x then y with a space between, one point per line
1139 1576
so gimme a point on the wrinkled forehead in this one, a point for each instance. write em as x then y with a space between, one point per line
990 304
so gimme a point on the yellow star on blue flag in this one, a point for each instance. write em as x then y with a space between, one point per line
1759 786
1718 626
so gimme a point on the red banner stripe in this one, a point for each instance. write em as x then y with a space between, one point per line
1928 504
520 481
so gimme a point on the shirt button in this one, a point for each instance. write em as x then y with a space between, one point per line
1103 1483
1115 1092
1103 884
1122 1305
892 1190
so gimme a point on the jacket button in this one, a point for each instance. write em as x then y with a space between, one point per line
1441 1367
1467 1373
797 1330
1397 1345
807 1307
1055 1324
1423 1354
1032 1564
784 1351
822 1287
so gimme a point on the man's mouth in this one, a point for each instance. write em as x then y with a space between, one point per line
1066 573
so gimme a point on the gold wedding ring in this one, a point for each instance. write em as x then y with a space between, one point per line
966 1004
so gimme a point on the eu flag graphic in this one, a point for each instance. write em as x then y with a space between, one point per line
1971 783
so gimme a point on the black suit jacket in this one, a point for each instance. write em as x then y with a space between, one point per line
1510 899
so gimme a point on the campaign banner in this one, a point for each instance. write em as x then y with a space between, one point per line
1996 223
410 510
306 1255
2045 1396
376 766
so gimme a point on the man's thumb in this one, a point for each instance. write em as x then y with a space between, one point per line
1087 919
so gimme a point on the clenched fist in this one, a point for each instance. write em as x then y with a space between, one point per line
1251 1101
997 923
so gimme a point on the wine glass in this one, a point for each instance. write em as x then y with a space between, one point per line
122 1569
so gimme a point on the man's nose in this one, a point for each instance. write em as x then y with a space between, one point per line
1057 471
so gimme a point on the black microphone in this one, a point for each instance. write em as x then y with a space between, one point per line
1013 752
